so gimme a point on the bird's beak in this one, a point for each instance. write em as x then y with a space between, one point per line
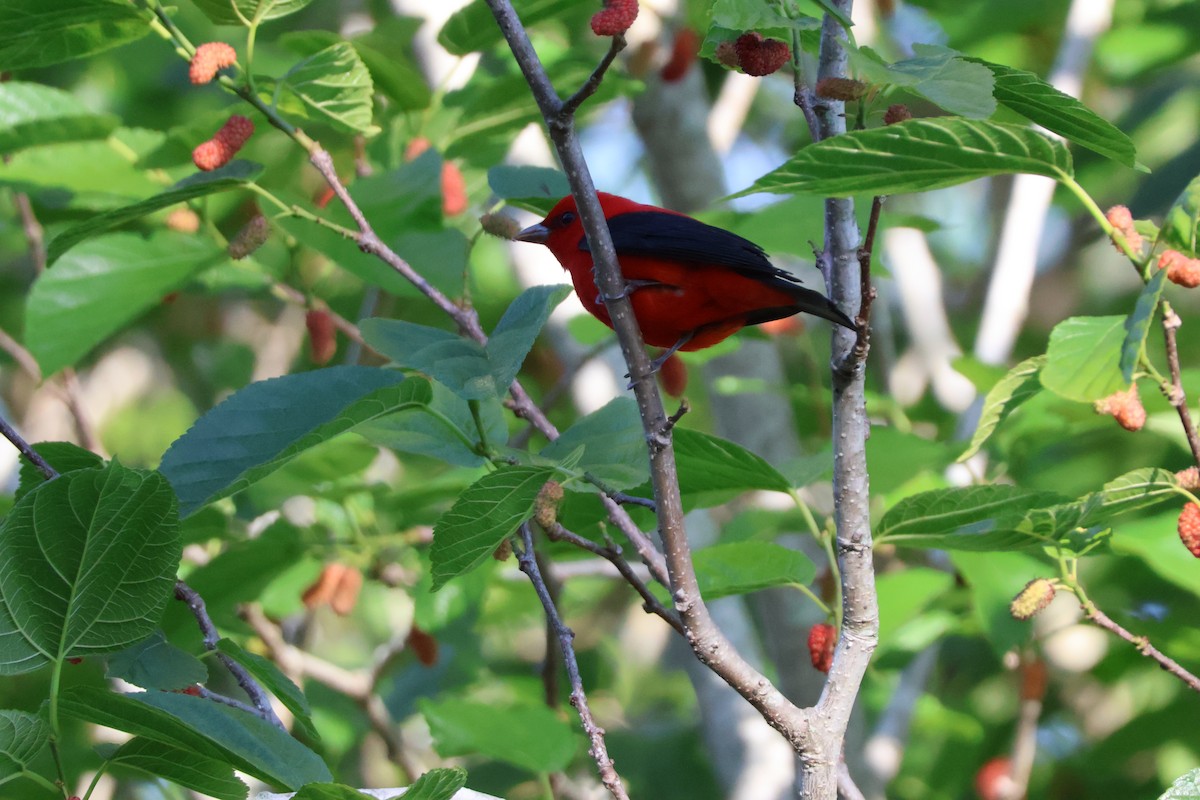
534 233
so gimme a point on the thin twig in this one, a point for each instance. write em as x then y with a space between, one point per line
572 103
553 659
73 396
866 290
1171 323
1142 644
296 297
847 788
598 750
22 356
34 457
258 696
208 694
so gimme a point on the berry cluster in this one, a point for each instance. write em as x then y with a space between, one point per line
218 151
1125 407
210 57
1180 269
758 56
615 18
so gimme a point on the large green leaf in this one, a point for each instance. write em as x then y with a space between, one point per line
531 737
1137 324
1083 359
231 176
613 442
744 567
483 516
63 456
438 784
514 334
1021 383
99 287
915 156
263 426
32 115
711 464
155 663
1038 101
445 430
37 33
238 12
89 176
333 86
534 189
209 776
474 28
1136 490
22 737
89 565
1181 227
988 518
393 74
940 74
275 682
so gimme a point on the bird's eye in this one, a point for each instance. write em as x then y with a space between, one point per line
566 218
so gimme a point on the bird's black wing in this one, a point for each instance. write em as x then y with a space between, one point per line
670 236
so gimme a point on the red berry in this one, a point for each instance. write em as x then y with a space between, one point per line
236 131
194 691
423 645
683 54
416 147
674 376
994 779
758 56
75 660
217 151
616 17
322 336
1189 528
323 197
210 57
822 639
897 112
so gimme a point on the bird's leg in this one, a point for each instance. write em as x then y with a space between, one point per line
632 286
657 363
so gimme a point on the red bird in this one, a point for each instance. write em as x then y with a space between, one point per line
691 285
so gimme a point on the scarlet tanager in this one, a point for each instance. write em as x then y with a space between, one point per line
691 284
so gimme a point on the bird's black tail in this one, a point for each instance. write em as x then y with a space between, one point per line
807 302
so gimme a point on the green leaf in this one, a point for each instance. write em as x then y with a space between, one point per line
1185 787
483 516
514 334
32 115
940 74
63 456
233 175
155 663
89 176
986 518
101 286
445 430
222 12
329 791
37 33
1136 490
1021 383
712 464
473 28
89 566
534 189
1137 324
744 567
438 784
209 776
915 156
1083 359
260 428
1039 102
393 74
274 681
1182 223
751 15
461 364
613 442
994 580
334 87
531 737
250 744
22 737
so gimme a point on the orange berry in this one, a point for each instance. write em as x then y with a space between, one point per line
416 147
1189 528
218 151
454 190
345 594
616 17
1180 269
210 57
321 590
183 220
1125 407
1189 478
1120 218
994 779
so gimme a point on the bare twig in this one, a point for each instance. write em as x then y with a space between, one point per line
73 396
1032 675
866 293
1177 397
23 357
258 696
572 103
847 788
1142 644
34 457
598 750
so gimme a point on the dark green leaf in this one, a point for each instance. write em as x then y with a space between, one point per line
516 331
260 428
155 663
1021 383
988 518
1133 491
231 176
334 87
768 18
459 363
1137 324
915 156
941 75
531 737
744 567
89 566
22 737
102 285
447 432
483 516
1083 359
37 33
534 189
438 784
63 456
32 115
1182 223
1039 102
209 776
613 442
711 464
274 681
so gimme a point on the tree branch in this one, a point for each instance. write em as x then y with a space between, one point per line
1177 397
1142 644
23 446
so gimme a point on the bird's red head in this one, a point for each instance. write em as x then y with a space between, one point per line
562 230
